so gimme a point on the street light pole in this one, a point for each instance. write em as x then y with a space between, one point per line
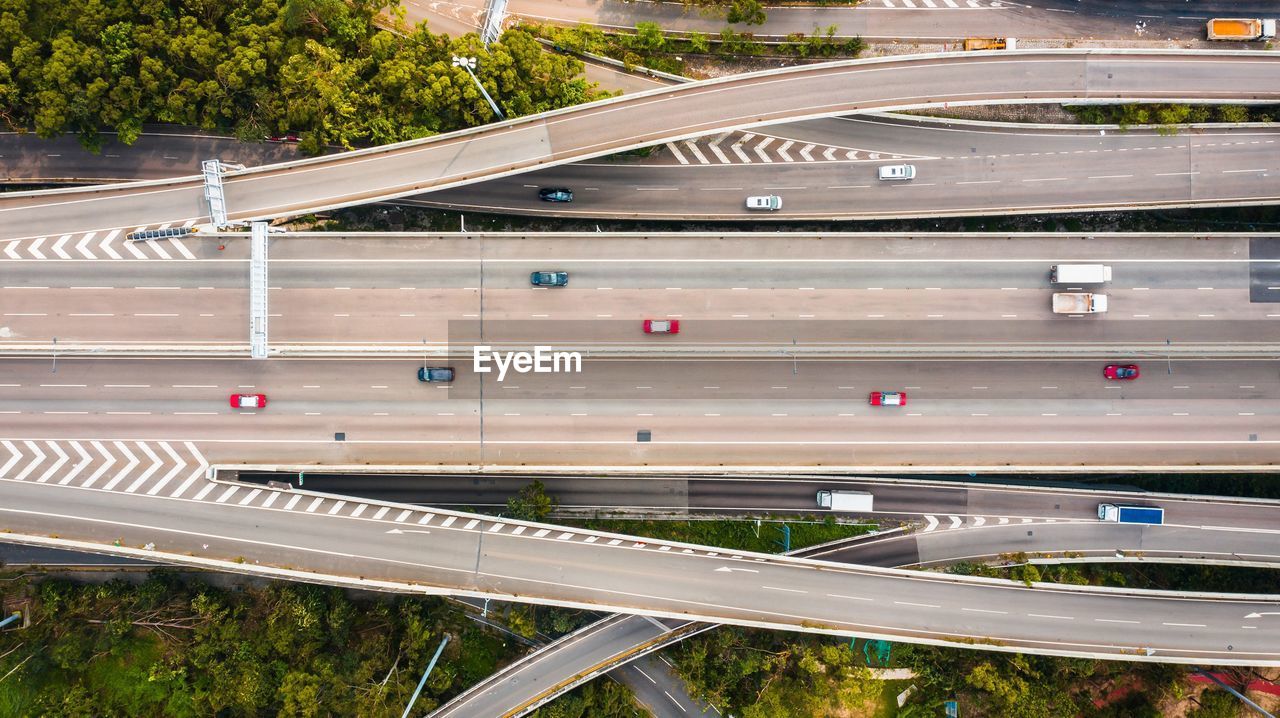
469 64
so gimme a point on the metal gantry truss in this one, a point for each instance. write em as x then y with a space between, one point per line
212 170
258 292
495 12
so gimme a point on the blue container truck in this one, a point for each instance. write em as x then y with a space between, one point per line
1131 514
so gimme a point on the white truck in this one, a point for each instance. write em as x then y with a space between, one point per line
853 501
1079 303
1079 273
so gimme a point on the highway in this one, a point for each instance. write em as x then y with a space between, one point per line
827 168
876 294
654 117
993 378
973 168
333 538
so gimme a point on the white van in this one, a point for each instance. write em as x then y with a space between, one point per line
897 172
1079 273
768 202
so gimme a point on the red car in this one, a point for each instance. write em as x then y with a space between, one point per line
662 326
1121 372
283 138
248 401
888 398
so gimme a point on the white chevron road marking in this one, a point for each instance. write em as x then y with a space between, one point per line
133 463
40 455
17 456
83 248
62 459
57 247
85 460
111 460
178 466
156 463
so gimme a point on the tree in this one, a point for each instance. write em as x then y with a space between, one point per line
649 37
532 503
749 12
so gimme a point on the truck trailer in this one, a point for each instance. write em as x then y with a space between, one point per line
855 501
1079 303
1153 515
1079 273
1241 29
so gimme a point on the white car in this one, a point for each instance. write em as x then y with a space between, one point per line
769 203
898 172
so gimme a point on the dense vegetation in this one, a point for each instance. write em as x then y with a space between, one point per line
764 674
320 68
1168 114
173 648
650 46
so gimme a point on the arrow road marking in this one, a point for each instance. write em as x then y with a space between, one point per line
178 465
1260 615
62 459
34 462
931 523
979 521
82 247
106 247
726 569
407 531
156 463
195 474
111 460
85 460
35 248
804 152
17 456
57 248
11 249
133 463
955 521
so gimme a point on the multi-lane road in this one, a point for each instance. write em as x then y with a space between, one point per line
407 548
656 117
962 326
827 169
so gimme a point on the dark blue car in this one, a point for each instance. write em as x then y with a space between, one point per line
549 279
555 194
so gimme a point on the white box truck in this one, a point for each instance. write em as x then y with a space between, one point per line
1079 273
855 501
1079 303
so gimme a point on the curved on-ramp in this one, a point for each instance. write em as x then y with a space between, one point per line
654 117
619 639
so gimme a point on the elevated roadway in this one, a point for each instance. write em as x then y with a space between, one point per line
828 168
755 295
357 543
654 117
